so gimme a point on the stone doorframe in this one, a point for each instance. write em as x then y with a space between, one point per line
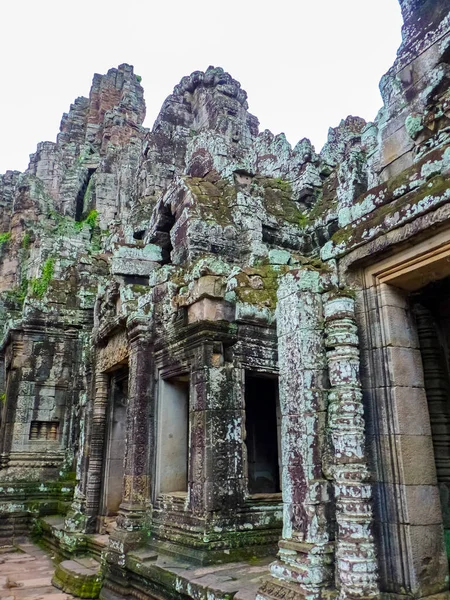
407 506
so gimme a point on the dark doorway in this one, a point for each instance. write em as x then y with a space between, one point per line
115 444
261 423
431 307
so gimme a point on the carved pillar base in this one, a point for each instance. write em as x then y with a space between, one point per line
300 573
76 518
131 532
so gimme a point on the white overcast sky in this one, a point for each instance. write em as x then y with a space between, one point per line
305 65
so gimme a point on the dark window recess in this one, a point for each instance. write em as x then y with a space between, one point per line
139 235
270 235
261 400
44 430
135 280
161 235
79 202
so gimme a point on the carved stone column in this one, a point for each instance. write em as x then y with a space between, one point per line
356 565
134 509
304 568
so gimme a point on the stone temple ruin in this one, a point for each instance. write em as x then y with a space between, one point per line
225 362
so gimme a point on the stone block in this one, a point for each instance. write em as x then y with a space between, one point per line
408 504
210 286
210 310
428 561
301 349
389 295
408 459
404 367
132 267
398 327
407 413
397 144
303 438
299 311
369 329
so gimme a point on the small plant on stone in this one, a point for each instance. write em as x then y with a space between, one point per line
26 240
40 284
4 238
90 220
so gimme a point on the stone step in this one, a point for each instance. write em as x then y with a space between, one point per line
80 577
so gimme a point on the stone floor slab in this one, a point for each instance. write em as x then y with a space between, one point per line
25 574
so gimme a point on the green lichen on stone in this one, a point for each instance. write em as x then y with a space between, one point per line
321 207
414 125
282 185
214 201
401 208
73 578
258 285
277 199
40 284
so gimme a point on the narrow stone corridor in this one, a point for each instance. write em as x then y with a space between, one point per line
25 574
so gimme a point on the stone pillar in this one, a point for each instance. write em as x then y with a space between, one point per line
216 473
356 565
305 561
96 448
133 512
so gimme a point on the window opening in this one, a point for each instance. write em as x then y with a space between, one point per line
262 433
173 435
44 430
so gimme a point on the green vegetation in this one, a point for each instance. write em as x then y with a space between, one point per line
40 284
3 398
90 220
303 220
282 185
4 238
26 241
138 78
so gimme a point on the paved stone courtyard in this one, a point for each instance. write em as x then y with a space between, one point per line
25 574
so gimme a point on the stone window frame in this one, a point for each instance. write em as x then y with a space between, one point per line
164 373
407 506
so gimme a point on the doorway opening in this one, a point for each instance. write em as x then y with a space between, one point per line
115 443
431 306
262 424
173 435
